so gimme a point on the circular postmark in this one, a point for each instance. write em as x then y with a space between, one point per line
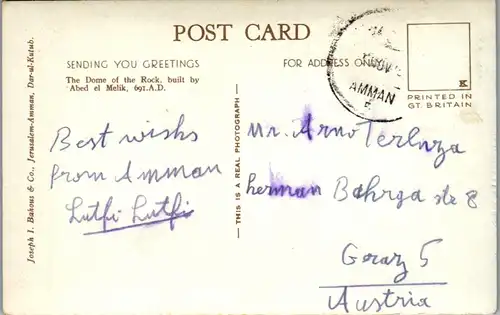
370 84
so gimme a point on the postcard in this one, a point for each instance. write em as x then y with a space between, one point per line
249 157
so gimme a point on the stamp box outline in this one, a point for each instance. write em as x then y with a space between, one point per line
408 56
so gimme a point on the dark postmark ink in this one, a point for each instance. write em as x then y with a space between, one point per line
370 87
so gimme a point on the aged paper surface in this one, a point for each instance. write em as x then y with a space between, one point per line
216 157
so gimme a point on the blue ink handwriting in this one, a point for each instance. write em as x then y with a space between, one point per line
351 255
410 139
155 176
143 214
255 130
62 140
388 299
130 175
375 259
68 177
277 187
422 249
373 192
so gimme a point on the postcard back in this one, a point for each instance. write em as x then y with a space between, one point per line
217 157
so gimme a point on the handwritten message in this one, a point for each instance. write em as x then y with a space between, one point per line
141 210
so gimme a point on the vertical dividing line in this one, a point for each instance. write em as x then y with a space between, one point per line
237 156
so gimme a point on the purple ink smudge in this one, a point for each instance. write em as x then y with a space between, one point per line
277 183
306 122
